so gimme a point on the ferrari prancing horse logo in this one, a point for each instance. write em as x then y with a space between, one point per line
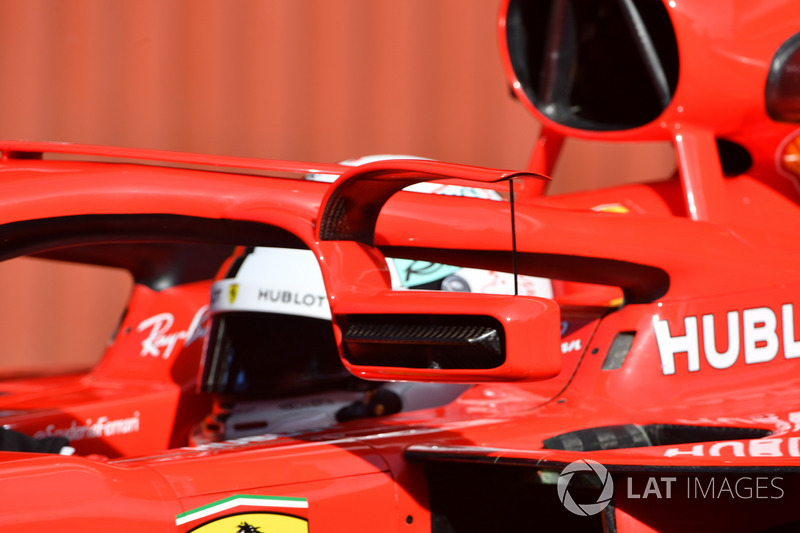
255 523
233 290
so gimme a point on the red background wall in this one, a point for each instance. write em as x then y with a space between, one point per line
314 80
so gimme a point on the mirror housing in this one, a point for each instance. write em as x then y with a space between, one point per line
409 335
450 337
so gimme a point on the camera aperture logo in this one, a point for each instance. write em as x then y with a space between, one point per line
585 509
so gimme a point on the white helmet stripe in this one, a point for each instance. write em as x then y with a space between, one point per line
274 280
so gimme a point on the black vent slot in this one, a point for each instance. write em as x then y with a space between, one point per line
637 436
423 341
618 351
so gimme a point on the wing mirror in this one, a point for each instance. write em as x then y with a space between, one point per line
448 336
422 335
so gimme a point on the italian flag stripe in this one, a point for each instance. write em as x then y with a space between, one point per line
235 501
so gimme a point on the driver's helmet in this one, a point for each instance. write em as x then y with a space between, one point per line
271 361
270 332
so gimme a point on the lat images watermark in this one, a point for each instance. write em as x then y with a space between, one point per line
716 487
709 486
585 509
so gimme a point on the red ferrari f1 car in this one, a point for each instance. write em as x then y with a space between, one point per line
300 355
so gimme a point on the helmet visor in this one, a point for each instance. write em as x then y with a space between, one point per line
270 354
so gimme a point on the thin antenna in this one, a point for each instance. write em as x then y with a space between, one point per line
513 235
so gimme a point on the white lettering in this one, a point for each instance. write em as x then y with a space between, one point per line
765 448
651 488
196 330
744 488
759 487
669 481
756 335
160 342
760 337
772 482
748 491
696 451
159 325
704 493
630 490
725 487
728 357
794 446
791 347
669 346
736 447
103 427
570 346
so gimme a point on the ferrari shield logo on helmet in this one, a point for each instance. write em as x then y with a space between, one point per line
233 290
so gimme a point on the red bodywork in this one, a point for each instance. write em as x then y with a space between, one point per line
675 367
